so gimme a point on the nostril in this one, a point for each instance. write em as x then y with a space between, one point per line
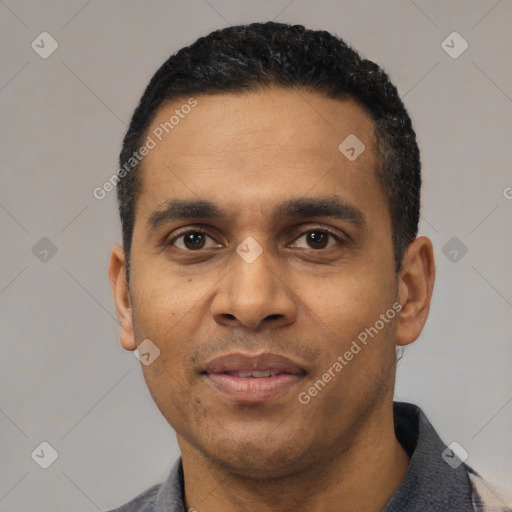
273 317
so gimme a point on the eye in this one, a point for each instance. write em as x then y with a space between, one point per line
193 240
316 239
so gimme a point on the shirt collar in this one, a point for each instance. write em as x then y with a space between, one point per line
430 483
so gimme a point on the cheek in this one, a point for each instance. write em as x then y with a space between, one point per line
163 301
356 322
171 394
348 302
166 314
344 316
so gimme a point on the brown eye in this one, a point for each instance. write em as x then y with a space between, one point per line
194 240
317 239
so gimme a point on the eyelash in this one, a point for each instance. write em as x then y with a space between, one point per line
324 230
327 231
188 231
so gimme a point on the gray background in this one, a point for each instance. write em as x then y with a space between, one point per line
64 377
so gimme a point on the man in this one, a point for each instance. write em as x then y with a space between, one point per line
269 194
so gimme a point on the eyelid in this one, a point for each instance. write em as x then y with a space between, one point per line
340 236
188 229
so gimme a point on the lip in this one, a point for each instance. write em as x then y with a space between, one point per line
226 374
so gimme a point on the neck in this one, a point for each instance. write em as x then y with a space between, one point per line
361 478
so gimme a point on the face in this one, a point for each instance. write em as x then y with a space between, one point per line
261 257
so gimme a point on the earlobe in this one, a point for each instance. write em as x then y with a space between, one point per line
121 292
416 283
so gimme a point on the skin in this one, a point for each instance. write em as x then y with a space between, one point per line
249 153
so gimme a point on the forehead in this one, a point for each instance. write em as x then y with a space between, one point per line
259 147
285 117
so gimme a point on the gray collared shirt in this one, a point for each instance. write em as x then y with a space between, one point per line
436 479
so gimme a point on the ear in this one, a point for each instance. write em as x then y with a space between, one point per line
415 286
121 291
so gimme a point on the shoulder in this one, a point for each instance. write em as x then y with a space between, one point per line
144 502
167 496
484 497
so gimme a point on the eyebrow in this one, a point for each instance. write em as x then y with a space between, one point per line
333 207
179 209
302 208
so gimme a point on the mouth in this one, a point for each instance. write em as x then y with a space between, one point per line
253 378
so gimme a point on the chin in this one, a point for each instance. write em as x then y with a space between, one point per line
258 457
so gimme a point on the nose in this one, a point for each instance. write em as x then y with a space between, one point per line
253 296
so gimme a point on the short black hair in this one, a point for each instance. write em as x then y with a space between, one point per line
253 57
